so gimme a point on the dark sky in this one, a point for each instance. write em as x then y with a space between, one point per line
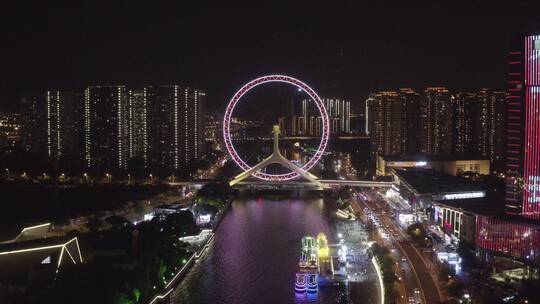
340 48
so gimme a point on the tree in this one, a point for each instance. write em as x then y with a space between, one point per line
117 222
136 294
466 252
444 272
454 288
181 223
417 234
121 298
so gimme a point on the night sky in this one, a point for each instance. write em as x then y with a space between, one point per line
343 50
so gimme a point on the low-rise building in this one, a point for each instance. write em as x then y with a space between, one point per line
483 223
447 164
32 258
419 187
457 218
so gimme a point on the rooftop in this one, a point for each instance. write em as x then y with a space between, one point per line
429 157
427 181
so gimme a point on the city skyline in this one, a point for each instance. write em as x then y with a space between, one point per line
462 55
270 153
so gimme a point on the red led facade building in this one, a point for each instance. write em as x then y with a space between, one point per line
518 233
523 129
531 175
513 238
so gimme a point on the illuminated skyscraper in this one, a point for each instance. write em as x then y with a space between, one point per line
33 124
386 125
393 122
174 127
523 128
10 131
411 135
465 106
437 122
106 127
138 144
490 119
63 124
339 112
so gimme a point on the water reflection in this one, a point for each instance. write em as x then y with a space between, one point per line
254 256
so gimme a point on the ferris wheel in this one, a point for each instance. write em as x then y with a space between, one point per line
295 171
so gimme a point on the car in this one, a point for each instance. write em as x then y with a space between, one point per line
411 300
416 291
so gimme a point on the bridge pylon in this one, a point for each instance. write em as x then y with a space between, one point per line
277 158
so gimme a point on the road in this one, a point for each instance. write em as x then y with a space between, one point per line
415 272
429 287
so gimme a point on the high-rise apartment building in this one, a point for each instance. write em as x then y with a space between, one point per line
393 122
174 127
339 114
523 128
10 132
386 126
490 118
33 121
62 112
137 127
106 127
437 122
465 117
479 121
411 100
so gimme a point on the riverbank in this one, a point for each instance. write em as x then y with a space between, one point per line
180 275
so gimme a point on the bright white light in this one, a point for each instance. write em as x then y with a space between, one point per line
463 195
379 275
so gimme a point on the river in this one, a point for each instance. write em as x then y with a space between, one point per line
254 256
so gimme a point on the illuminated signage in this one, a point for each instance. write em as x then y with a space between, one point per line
463 195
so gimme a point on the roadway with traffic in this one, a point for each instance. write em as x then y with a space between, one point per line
415 272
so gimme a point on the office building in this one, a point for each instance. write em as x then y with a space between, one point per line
523 128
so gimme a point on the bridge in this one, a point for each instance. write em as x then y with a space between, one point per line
300 185
291 184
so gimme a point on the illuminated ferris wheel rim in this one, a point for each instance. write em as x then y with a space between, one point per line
269 79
